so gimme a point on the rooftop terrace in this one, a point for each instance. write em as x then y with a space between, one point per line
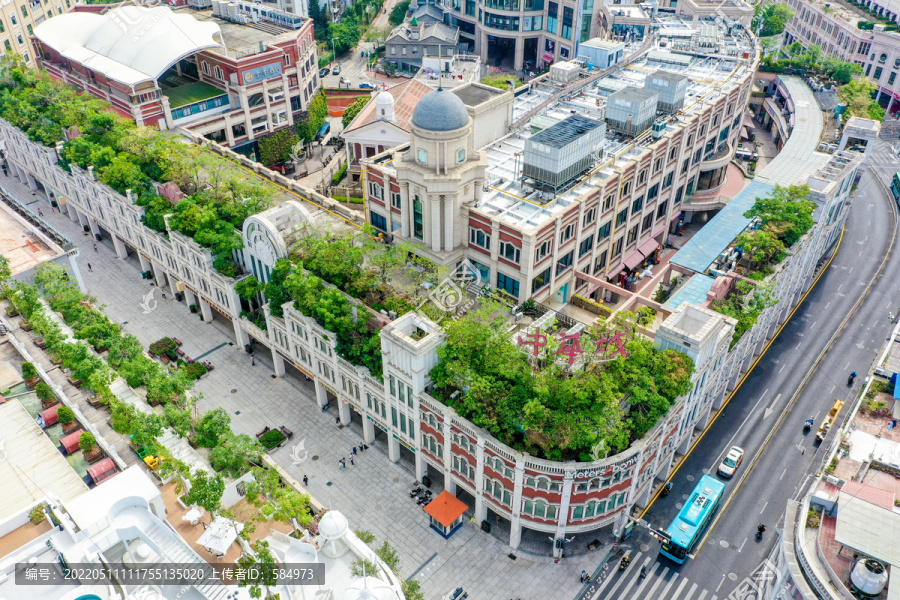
517 203
244 40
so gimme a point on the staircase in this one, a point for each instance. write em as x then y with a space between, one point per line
177 551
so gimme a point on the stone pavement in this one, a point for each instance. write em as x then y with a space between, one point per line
372 494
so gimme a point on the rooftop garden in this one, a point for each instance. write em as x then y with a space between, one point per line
217 195
784 216
546 407
810 60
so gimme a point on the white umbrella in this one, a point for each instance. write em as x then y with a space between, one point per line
193 515
220 535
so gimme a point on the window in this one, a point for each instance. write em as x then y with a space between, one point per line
685 165
479 238
652 193
539 508
552 12
510 252
566 234
601 262
678 196
461 155
648 222
417 218
585 246
657 166
604 231
892 78
881 58
589 216
637 205
378 222
877 75
642 177
608 203
395 200
7 45
422 156
626 189
673 153
540 281
667 182
565 262
2 26
661 209
24 11
508 285
376 191
622 217
12 19
542 250
566 31
617 247
632 235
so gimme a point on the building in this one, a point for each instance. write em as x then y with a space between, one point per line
213 72
536 243
410 45
835 28
18 20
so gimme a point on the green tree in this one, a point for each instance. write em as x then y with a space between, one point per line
249 287
858 96
761 246
87 442
178 419
398 13
746 303
206 491
261 562
769 44
840 71
354 109
146 427
771 18
276 147
315 118
5 273
319 18
234 452
785 212
212 427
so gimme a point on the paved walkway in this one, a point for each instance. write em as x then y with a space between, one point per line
372 493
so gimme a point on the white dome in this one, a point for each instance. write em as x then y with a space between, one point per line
384 99
370 588
384 107
333 525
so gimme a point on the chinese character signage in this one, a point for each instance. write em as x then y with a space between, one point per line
610 346
261 73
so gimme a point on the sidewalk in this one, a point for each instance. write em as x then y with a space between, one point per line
372 494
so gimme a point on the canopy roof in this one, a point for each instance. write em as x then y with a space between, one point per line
130 44
446 508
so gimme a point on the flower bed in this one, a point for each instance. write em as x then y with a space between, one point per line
272 439
194 370
165 346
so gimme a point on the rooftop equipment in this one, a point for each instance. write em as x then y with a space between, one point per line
631 110
671 87
563 151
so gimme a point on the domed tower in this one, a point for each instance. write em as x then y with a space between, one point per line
439 173
384 107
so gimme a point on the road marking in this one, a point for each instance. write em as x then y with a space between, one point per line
782 368
832 388
813 325
658 581
771 409
607 581
763 508
623 577
850 271
702 595
691 592
721 582
742 544
782 474
764 394
684 582
637 592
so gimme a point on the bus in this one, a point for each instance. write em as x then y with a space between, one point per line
688 527
895 187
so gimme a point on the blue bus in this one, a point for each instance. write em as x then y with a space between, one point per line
691 522
895 187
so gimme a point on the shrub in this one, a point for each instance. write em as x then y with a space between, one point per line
813 519
398 13
212 427
271 439
351 199
87 441
65 415
44 392
29 371
337 177
195 370
163 346
37 515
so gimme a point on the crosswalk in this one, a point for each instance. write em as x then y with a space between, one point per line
661 582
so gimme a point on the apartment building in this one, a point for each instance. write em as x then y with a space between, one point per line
215 72
18 19
835 28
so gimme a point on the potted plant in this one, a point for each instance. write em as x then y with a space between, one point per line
193 308
37 515
26 325
66 418
39 341
30 375
45 394
89 448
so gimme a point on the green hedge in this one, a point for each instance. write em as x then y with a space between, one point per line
351 200
337 177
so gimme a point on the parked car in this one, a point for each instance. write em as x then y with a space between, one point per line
284 168
731 461
324 71
345 81
336 70
365 85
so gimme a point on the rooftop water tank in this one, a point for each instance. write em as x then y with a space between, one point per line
868 577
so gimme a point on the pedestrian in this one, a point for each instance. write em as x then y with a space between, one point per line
341 465
353 450
337 420
40 213
89 268
252 361
804 452
163 295
305 481
361 448
351 459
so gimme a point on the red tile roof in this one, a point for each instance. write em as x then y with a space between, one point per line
876 496
406 97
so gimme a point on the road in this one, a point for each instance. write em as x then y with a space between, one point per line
730 552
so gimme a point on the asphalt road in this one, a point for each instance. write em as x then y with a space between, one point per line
731 553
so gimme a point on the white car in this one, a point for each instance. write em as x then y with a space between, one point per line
731 461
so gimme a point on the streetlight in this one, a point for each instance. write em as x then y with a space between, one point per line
333 52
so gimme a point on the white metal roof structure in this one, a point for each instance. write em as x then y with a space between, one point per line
868 528
130 44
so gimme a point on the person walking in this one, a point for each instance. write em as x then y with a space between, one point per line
40 213
89 268
353 450
252 361
361 447
337 420
351 460
95 248
341 465
305 481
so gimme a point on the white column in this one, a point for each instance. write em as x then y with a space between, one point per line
277 362
563 515
421 466
159 274
241 336
344 410
393 449
435 217
368 431
321 394
480 508
145 264
172 284
448 223
406 206
119 245
515 523
206 311
189 298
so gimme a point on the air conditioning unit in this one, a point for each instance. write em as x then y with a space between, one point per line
519 317
833 480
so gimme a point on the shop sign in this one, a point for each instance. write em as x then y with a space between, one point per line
377 424
404 443
331 391
603 471
304 371
261 73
